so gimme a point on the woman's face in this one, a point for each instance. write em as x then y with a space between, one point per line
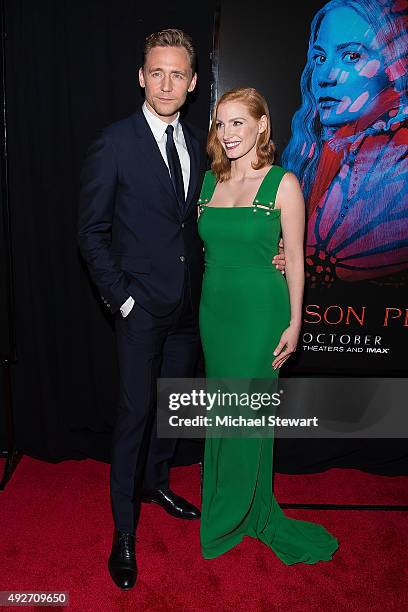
347 68
237 130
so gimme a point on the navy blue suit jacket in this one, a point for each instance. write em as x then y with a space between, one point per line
132 232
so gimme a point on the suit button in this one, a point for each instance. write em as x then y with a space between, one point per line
182 258
182 225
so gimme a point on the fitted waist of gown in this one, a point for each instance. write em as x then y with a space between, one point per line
239 266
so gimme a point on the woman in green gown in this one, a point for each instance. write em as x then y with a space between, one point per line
250 319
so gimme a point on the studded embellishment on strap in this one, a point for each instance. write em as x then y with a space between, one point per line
202 202
264 199
267 206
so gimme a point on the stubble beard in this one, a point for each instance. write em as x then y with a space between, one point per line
165 110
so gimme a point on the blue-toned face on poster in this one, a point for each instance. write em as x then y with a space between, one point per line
348 68
349 143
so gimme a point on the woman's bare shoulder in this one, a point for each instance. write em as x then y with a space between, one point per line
289 190
289 181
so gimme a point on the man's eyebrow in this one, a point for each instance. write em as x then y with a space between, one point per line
158 68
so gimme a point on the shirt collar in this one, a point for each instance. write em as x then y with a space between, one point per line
158 126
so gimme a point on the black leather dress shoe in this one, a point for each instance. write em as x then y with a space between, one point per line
122 561
171 503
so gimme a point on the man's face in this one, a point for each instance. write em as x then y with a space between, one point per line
166 78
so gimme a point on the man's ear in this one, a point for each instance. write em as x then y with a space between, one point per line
141 78
193 83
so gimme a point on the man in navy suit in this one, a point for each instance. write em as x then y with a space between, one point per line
138 234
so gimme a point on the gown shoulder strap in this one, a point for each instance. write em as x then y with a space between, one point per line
208 187
269 187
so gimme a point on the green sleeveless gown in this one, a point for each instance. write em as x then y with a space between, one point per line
243 311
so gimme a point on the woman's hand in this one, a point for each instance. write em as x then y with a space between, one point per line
287 345
279 259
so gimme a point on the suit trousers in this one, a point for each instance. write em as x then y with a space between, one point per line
148 347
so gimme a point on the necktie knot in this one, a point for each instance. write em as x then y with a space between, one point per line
170 130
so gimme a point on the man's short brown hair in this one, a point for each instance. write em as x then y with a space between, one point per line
171 38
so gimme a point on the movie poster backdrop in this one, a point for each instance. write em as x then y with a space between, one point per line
335 78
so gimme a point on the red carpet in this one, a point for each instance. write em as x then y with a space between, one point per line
56 535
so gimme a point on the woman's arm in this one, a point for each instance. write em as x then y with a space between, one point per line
290 200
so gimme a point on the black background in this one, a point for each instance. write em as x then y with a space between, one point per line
7 326
72 69
6 343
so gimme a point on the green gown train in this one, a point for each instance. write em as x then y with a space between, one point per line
243 312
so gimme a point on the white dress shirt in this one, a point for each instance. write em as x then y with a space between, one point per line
158 128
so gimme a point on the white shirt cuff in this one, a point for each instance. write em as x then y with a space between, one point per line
127 306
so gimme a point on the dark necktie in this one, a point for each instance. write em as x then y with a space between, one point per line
174 166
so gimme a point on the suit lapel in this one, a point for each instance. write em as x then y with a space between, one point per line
193 148
152 152
157 163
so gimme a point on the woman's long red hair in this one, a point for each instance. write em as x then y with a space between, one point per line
265 149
